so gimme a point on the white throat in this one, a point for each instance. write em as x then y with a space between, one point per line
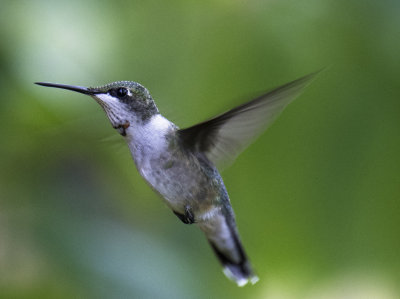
148 140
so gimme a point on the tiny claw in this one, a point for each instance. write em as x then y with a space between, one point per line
188 217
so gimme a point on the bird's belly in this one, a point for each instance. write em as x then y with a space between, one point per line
179 184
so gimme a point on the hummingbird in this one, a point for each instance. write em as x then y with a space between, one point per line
181 164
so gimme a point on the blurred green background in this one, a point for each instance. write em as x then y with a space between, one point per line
316 197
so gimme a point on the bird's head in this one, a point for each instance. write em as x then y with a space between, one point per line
125 102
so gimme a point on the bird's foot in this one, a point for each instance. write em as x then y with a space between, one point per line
188 217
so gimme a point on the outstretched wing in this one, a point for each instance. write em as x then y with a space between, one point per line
222 138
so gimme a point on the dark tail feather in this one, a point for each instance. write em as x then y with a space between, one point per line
229 250
240 272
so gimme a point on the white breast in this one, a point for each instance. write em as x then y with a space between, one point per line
149 148
146 141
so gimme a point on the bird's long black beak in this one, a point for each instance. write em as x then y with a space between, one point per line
80 89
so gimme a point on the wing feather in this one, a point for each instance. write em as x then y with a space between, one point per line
223 137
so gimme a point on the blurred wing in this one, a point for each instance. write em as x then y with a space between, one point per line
222 138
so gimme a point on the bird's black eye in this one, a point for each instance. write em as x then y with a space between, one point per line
121 92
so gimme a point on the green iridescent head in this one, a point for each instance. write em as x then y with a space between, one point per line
123 101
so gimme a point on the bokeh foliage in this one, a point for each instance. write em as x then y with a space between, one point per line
316 197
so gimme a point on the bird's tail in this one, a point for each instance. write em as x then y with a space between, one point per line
224 240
